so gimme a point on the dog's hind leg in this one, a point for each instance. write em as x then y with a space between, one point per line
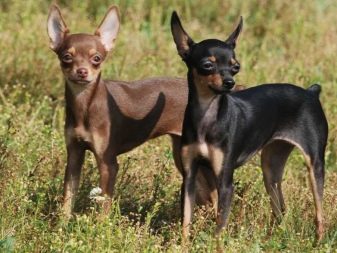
313 152
274 157
314 157
315 165
273 160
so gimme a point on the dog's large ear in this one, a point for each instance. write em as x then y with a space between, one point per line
181 38
108 29
234 36
56 27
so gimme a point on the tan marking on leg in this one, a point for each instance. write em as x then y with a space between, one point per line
313 184
188 212
214 199
188 153
216 157
202 149
214 154
317 199
318 203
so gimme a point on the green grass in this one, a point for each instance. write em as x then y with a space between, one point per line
282 41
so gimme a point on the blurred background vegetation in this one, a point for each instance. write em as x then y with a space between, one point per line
282 41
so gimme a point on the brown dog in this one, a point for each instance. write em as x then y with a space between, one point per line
111 117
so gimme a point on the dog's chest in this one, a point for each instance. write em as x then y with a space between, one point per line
93 139
209 152
205 145
207 126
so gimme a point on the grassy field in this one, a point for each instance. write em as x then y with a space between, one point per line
282 41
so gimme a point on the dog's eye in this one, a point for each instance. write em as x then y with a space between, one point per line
96 59
236 68
67 58
207 65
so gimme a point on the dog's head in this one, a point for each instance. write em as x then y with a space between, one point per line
81 55
212 62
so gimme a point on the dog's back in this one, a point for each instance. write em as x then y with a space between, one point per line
273 111
147 107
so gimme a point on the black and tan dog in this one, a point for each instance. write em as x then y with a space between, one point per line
222 130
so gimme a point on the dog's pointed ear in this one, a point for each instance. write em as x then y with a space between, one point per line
56 27
181 38
108 29
234 36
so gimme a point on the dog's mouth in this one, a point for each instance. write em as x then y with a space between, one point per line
79 81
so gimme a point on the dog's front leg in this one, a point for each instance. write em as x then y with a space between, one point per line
188 189
75 158
108 168
225 191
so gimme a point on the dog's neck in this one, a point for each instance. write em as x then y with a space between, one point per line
198 100
202 113
78 100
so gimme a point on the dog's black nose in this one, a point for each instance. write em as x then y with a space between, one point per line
229 83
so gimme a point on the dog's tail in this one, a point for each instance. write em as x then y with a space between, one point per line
315 89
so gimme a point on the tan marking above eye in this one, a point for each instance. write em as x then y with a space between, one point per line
233 61
92 52
72 50
212 59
